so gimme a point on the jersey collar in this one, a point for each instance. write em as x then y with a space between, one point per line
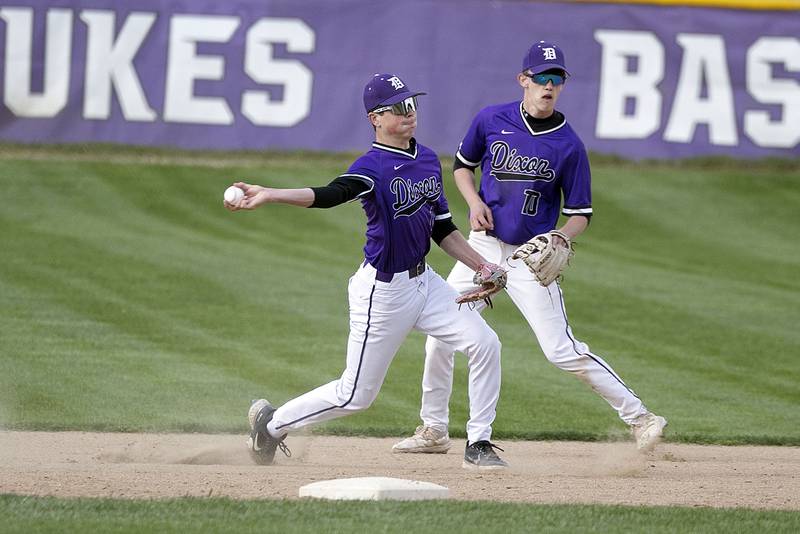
528 126
411 152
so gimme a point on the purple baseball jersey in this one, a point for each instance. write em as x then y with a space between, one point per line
524 173
405 197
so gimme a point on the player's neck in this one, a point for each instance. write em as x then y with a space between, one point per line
402 142
537 113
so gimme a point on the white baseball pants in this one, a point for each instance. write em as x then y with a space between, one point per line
382 314
543 308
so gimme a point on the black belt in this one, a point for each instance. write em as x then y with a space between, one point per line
413 272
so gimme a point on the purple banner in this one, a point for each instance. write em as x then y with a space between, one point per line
647 81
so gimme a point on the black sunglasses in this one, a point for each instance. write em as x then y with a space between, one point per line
543 77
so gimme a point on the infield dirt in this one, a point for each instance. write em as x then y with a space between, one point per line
81 464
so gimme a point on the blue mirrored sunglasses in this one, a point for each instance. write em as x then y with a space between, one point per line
544 77
404 107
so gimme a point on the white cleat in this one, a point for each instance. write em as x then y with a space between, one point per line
425 440
648 431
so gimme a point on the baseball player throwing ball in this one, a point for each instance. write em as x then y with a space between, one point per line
399 184
529 157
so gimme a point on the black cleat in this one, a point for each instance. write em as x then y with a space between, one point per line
481 456
261 444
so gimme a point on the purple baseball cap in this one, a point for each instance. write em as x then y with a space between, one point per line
544 56
385 90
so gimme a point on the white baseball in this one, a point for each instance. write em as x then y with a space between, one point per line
234 194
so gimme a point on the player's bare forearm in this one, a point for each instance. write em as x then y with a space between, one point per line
297 197
465 181
575 226
456 246
256 195
480 216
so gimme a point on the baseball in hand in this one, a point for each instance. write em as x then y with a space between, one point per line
233 194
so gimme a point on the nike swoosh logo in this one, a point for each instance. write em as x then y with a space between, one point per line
398 166
505 132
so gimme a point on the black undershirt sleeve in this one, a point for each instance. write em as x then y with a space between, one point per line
442 228
339 191
458 164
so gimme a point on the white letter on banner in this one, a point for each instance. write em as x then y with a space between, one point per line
295 77
703 58
19 43
785 132
109 62
184 66
617 84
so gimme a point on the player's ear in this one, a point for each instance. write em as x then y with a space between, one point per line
522 80
373 119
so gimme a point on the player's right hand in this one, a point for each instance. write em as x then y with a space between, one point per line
254 196
480 217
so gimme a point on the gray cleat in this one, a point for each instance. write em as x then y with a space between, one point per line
261 444
481 456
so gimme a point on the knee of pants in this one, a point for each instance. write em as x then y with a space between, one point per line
494 341
488 342
564 357
362 399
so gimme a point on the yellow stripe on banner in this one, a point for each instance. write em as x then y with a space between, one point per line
733 4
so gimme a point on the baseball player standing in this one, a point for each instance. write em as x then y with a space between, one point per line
529 157
399 184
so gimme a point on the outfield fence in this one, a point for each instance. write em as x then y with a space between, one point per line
648 81
760 5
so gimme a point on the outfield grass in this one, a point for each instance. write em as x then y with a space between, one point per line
133 301
33 515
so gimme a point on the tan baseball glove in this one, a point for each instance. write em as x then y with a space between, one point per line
489 279
544 258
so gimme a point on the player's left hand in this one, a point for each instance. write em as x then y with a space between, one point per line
560 241
489 279
545 256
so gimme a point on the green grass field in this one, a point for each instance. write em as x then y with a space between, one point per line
131 300
26 515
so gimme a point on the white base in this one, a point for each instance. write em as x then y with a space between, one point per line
374 489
